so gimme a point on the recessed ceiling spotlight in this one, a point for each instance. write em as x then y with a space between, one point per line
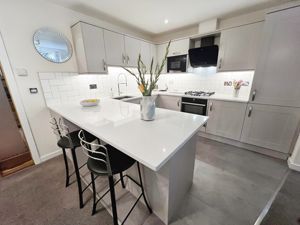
166 21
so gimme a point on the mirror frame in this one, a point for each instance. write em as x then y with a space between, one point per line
69 45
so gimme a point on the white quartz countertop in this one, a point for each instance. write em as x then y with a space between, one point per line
118 123
216 96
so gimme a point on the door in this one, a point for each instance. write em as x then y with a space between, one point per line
14 152
239 47
272 127
161 51
226 119
146 53
169 102
93 39
133 49
114 48
179 47
276 80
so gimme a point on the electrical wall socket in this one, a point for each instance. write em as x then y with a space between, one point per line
93 86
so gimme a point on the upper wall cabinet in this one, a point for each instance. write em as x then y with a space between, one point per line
132 49
160 53
239 47
115 48
277 77
179 47
89 47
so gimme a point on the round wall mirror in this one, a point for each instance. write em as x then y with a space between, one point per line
52 45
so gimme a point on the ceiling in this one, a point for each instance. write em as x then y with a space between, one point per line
149 15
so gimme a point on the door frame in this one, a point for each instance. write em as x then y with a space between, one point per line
13 88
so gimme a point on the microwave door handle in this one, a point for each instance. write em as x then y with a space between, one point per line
187 103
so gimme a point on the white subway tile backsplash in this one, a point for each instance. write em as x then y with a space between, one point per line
64 87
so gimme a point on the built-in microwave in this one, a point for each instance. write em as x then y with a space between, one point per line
176 63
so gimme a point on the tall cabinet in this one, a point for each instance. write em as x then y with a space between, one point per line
273 115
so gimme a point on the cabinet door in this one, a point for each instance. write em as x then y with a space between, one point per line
161 50
133 49
277 77
226 118
146 53
115 48
179 47
153 54
239 47
169 102
94 48
272 127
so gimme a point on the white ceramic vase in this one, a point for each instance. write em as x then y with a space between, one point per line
236 93
147 108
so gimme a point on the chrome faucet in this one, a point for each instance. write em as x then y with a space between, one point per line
121 83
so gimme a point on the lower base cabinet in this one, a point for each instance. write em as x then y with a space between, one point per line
226 118
271 127
169 102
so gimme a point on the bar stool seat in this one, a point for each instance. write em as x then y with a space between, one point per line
119 162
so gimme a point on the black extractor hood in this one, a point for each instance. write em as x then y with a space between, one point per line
206 55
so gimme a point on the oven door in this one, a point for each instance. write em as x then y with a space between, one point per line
193 108
176 63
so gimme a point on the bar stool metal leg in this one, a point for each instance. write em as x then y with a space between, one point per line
113 199
77 177
94 194
67 167
122 180
142 187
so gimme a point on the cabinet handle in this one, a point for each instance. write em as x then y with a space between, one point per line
220 63
123 58
127 59
104 65
250 111
253 95
210 106
178 103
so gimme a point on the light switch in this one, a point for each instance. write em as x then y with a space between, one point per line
21 72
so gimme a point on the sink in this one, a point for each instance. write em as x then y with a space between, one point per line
123 97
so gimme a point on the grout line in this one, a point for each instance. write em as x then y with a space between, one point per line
270 202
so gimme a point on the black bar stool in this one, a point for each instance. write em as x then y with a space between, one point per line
70 140
105 160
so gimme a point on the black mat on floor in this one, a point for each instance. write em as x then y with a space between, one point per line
285 209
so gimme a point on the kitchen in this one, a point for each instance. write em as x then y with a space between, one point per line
239 118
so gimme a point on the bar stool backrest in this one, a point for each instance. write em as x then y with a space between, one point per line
55 127
60 129
93 151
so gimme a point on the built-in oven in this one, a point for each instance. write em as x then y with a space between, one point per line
176 63
194 105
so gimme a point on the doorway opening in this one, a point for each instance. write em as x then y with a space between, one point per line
14 151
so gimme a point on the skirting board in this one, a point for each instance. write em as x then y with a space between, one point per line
254 148
293 166
51 155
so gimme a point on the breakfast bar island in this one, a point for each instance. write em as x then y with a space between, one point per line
165 147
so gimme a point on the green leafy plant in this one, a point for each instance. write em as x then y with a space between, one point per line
146 85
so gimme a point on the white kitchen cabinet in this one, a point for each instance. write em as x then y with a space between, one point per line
153 51
271 127
115 48
226 118
89 48
169 102
132 49
179 47
161 50
146 53
277 77
239 47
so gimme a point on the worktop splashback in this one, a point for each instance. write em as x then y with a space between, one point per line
63 86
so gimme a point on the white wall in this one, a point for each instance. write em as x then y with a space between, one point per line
18 21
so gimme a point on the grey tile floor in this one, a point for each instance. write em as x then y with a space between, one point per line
231 187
